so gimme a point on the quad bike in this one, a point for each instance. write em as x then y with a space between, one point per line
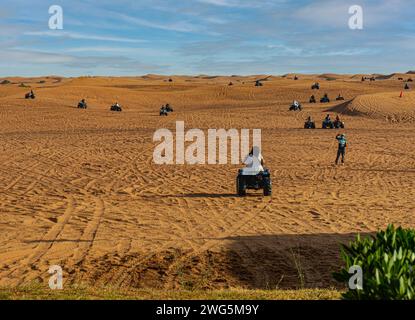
296 107
116 108
325 99
30 95
258 83
315 86
313 99
82 105
309 125
258 181
163 112
328 124
338 124
339 98
410 80
168 108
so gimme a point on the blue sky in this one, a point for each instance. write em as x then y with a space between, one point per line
127 37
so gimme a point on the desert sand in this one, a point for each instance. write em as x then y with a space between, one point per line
78 188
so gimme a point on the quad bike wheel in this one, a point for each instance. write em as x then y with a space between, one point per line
328 125
117 109
240 186
267 186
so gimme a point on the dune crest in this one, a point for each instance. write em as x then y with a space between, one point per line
386 105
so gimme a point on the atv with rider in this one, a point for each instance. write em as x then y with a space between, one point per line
30 95
315 86
328 123
254 176
168 108
116 107
82 104
309 124
325 99
296 106
163 111
338 124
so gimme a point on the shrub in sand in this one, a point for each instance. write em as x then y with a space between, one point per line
387 261
5 82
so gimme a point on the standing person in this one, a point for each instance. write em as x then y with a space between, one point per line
341 152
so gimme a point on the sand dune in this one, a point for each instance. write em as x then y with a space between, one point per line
79 188
389 106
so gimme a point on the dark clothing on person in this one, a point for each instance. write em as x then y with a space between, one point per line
341 152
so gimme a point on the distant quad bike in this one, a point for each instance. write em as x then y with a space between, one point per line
295 78
258 83
258 181
168 108
116 108
338 124
82 105
309 125
410 80
325 99
339 98
30 95
315 86
163 112
296 107
313 99
328 124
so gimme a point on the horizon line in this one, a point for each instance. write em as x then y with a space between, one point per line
207 75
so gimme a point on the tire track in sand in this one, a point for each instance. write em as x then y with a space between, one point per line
211 243
87 239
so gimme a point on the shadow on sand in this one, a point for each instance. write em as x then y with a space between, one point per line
283 261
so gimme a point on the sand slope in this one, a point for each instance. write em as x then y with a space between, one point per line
389 106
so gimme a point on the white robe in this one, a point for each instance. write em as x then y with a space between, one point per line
253 165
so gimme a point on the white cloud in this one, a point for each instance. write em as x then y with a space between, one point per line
239 3
180 26
33 57
151 52
80 36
